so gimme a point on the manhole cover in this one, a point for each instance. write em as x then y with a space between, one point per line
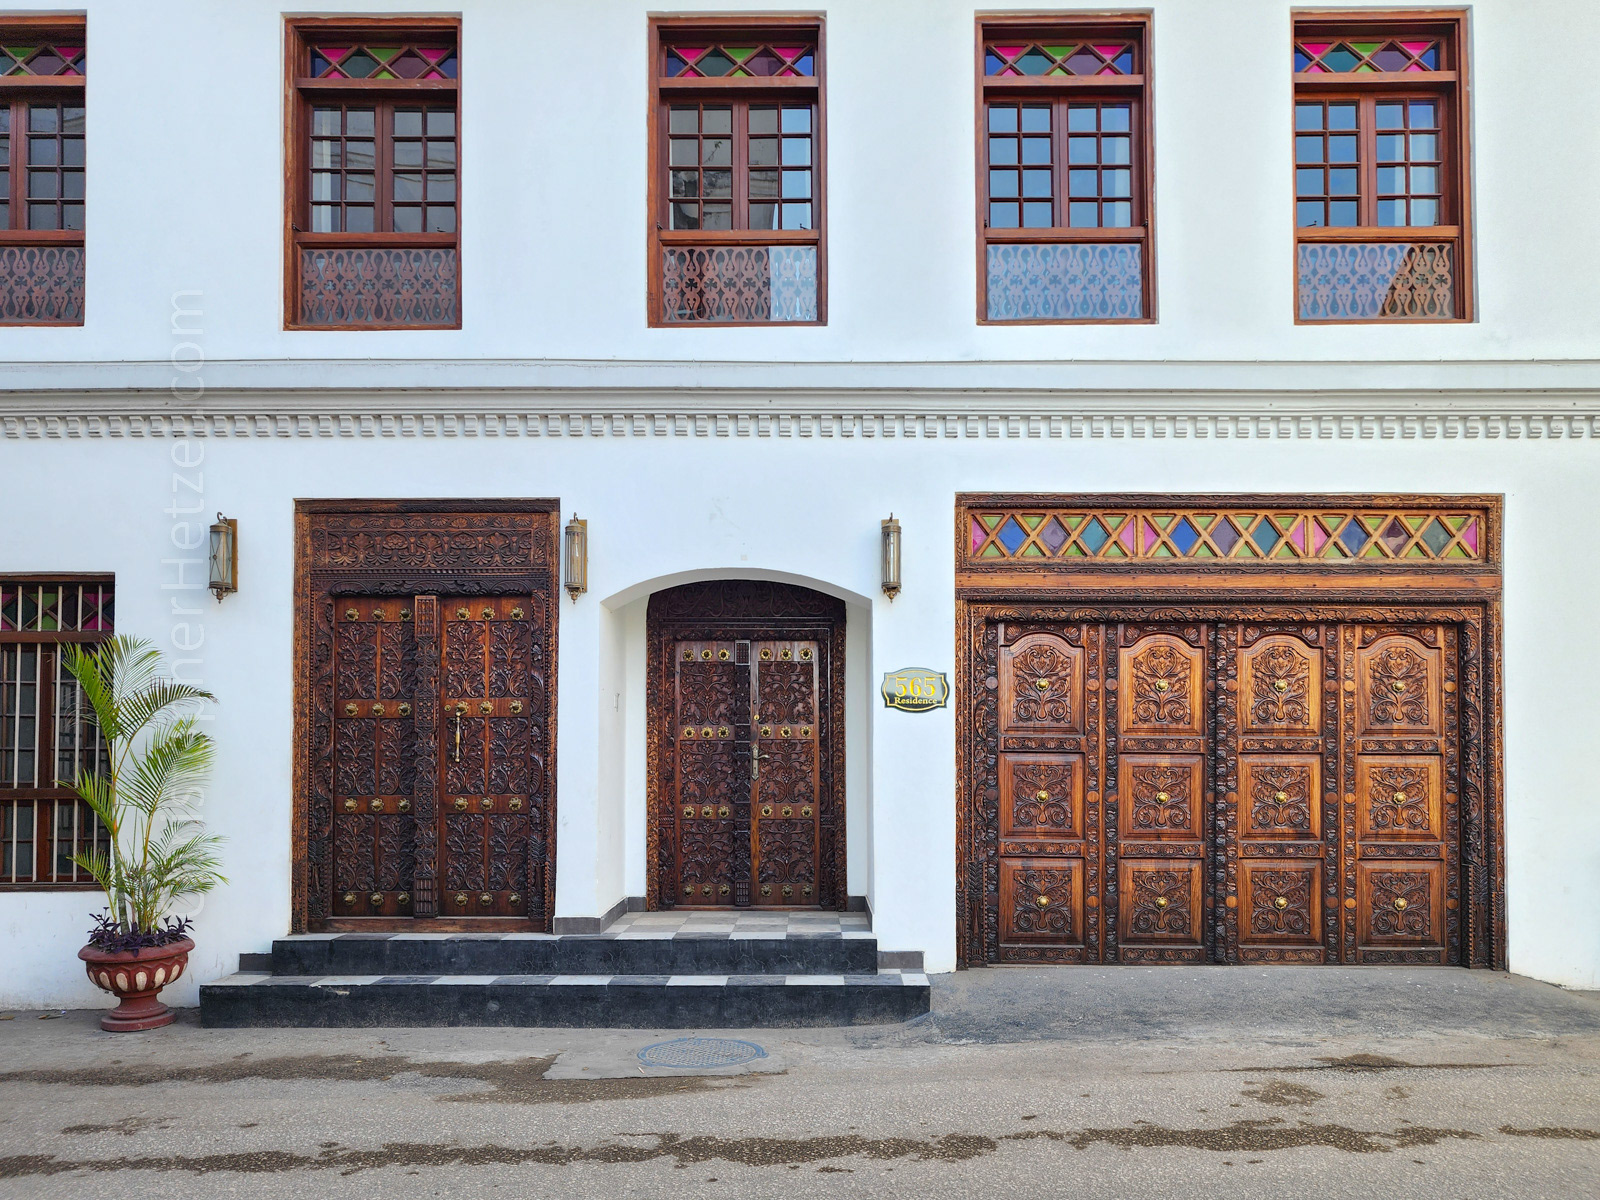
700 1052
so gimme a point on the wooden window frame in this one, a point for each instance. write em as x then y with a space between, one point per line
659 237
1450 86
49 643
16 92
301 92
1138 88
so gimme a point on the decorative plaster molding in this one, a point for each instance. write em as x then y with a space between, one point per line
409 414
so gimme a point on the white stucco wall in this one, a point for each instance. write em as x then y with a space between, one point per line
553 99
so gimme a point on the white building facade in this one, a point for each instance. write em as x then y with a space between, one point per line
1190 373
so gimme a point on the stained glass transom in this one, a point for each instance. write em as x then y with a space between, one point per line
408 61
1366 57
751 60
33 58
1007 59
1274 535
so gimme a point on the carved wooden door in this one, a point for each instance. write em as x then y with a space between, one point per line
491 777
374 759
746 744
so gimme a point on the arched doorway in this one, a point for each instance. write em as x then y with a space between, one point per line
745 714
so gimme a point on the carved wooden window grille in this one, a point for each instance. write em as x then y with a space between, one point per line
374 196
1064 171
42 67
1381 169
737 185
47 732
1358 534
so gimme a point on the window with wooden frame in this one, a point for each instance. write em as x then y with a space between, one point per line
47 731
738 180
1064 170
42 64
1380 163
373 238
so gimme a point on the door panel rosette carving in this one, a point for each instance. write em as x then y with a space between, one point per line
1281 903
1161 797
1042 684
784 851
785 683
709 790
1041 796
1159 902
1401 903
1042 901
1161 680
1280 686
1280 796
1399 682
1399 798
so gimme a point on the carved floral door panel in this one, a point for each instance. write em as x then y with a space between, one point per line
711 816
491 775
1246 791
786 768
374 758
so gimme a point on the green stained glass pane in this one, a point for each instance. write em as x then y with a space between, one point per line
1204 551
1373 550
383 55
20 52
1076 551
1417 551
1366 69
1457 551
1162 551
1059 51
1283 522
1163 521
1032 550
1373 524
1415 523
1244 520
738 53
1073 520
1058 70
1366 47
385 74
1284 550
992 551
1032 522
1246 550
1456 523
1115 550
991 521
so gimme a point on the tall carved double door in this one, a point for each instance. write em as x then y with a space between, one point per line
439 780
746 722
1219 791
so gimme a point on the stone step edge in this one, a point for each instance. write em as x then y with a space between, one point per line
889 977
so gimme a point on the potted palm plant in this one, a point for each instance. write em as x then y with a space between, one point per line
158 854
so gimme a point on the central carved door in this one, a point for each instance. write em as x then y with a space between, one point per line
745 721
1219 791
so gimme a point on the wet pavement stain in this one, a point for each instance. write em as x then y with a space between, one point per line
1242 1137
127 1126
1361 1064
1283 1094
518 1081
1559 1132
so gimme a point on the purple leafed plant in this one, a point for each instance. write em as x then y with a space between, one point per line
107 935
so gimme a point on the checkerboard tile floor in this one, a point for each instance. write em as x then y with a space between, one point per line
739 923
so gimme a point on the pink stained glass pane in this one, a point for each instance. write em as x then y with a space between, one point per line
790 51
785 71
1150 538
1126 537
1108 69
1315 49
333 54
1469 535
979 533
1415 49
1109 51
68 52
1297 536
1319 538
1318 69
689 53
1009 51
433 53
1416 67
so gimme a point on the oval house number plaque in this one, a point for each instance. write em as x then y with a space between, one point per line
915 689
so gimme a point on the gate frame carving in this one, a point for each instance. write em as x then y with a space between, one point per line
733 610
1465 593
408 548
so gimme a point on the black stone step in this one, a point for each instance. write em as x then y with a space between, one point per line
619 1002
574 954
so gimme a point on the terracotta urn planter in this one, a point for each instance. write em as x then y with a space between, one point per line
135 977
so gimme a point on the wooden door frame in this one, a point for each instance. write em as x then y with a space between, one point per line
1465 594
735 609
498 547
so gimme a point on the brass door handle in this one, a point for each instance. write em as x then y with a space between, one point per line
755 760
460 708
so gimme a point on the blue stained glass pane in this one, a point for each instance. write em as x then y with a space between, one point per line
674 65
1124 62
1302 60
1430 58
1094 536
992 63
1353 538
1436 537
803 64
1184 536
1012 535
1266 537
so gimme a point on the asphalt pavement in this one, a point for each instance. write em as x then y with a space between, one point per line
1123 1082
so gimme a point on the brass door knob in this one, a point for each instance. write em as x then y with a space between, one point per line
1162 797
404 710
405 614
1043 901
486 899
516 614
515 898
514 804
488 613
1161 685
1280 685
461 804
706 811
723 890
378 710
351 614
1161 901
485 707
787 811
1280 797
766 731
1281 903
788 890
766 889
349 897
722 810
516 707
403 898
1042 684
688 810
766 810
351 710
1400 903
486 803
461 614
805 811
1041 795
403 804
805 731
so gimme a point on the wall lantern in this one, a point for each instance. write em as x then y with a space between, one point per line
891 557
576 554
224 557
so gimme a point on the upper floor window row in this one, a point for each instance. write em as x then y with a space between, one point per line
737 205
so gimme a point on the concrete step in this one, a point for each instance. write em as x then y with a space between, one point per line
852 952
712 1001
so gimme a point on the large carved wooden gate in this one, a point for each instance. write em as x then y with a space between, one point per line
425 677
746 714
1220 771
